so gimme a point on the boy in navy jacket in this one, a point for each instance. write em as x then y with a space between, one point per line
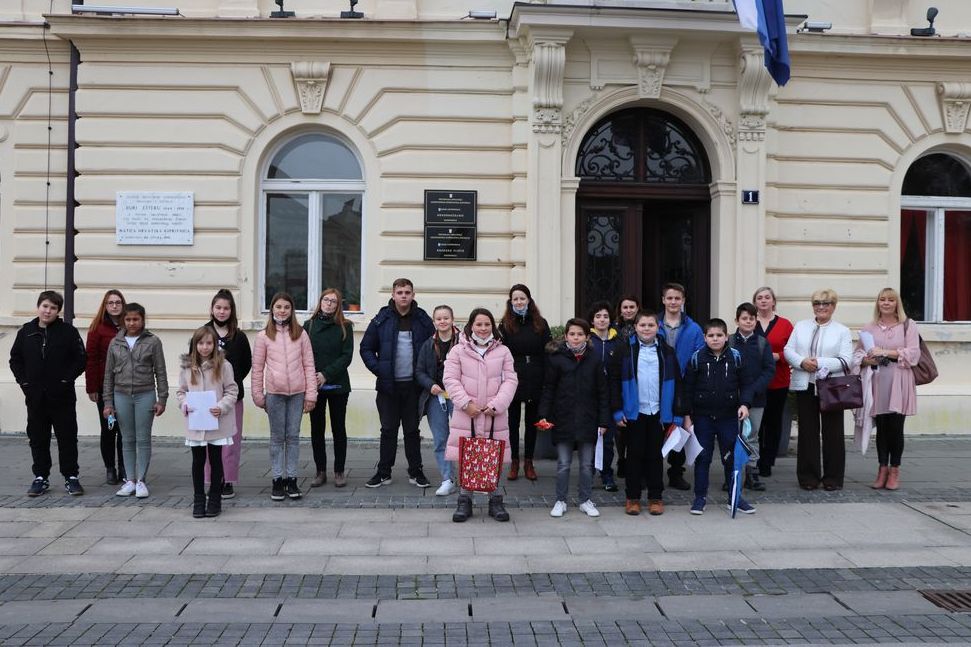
718 397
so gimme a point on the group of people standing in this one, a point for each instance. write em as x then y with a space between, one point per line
623 374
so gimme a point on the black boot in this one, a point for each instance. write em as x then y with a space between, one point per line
215 504
752 481
199 506
463 510
496 509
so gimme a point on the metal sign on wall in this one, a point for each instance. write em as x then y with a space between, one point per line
450 225
153 218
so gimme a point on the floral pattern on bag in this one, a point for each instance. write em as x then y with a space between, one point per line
480 462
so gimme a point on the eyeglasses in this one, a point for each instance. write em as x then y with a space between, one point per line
822 304
329 300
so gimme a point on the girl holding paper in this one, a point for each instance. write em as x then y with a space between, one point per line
574 407
890 352
206 370
645 393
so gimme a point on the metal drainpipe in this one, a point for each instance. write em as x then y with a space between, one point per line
69 231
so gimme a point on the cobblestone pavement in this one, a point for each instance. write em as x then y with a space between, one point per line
372 567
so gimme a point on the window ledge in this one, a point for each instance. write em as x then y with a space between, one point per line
945 332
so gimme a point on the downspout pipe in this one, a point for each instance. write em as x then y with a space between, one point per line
69 229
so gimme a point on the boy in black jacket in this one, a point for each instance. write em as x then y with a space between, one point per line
719 397
46 357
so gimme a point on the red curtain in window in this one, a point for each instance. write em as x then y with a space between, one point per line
913 223
957 266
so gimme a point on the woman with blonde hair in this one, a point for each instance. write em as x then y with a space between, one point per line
819 344
887 369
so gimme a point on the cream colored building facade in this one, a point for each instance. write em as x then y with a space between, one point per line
425 98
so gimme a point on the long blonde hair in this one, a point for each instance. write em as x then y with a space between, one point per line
195 360
102 313
889 292
338 314
295 329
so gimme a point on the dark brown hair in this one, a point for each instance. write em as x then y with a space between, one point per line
475 313
232 324
102 313
510 322
295 329
338 314
625 297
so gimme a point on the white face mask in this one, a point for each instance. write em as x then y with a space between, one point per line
482 341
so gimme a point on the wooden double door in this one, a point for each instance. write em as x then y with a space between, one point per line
636 245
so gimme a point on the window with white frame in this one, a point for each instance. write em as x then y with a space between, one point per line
935 239
312 195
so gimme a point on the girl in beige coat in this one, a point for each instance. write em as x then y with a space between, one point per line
205 368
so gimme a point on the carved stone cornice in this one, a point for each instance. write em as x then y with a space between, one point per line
548 60
571 120
310 79
753 94
651 58
955 103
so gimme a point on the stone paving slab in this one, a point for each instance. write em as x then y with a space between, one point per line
327 611
612 607
41 612
127 610
706 606
409 611
229 611
513 609
888 603
798 605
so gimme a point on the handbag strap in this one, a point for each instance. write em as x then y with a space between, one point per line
472 426
846 369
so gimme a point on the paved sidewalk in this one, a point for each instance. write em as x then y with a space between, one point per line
387 566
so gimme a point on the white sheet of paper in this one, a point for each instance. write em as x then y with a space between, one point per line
199 417
675 441
691 450
598 454
866 340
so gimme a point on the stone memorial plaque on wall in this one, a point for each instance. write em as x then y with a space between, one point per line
153 218
450 225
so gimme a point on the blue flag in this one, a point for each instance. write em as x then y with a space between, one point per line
767 17
742 455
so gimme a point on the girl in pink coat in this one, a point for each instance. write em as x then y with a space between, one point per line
284 382
481 381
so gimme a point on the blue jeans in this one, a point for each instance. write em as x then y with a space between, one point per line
564 452
135 417
438 418
706 429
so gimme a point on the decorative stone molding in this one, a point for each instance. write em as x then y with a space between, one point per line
549 63
724 123
651 58
753 94
955 104
310 79
577 114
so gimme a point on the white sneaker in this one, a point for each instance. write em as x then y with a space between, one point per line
127 489
446 488
141 490
590 508
558 509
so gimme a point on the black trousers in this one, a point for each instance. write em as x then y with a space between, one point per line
532 417
43 414
770 434
644 463
814 424
399 408
338 429
890 438
110 441
215 453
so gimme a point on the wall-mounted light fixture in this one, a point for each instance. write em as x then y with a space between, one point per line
105 10
815 26
482 14
929 29
281 12
352 14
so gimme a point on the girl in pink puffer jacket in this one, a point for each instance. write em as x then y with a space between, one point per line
481 381
284 383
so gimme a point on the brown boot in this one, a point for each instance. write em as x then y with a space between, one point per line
528 470
319 480
881 481
513 470
632 507
655 507
893 478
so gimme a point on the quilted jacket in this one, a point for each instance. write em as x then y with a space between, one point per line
283 366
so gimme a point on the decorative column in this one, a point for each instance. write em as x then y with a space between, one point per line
754 83
544 258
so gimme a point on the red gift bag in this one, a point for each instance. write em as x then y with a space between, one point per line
480 461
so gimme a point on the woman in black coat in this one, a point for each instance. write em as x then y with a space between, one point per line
575 408
525 333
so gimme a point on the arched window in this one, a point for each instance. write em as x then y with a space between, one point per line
935 239
312 197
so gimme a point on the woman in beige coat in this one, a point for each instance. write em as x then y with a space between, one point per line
205 368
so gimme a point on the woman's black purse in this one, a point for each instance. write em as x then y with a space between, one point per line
840 393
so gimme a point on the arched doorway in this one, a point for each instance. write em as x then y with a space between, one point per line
643 210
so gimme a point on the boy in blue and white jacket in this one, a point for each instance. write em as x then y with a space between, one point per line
718 396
